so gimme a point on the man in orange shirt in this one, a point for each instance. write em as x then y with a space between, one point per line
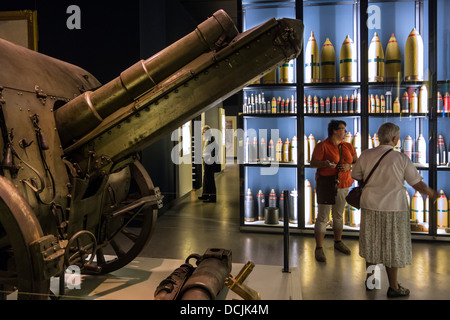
329 161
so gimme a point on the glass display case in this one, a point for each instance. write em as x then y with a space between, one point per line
269 122
443 119
332 88
398 88
365 62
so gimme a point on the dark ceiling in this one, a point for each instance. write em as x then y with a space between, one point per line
202 9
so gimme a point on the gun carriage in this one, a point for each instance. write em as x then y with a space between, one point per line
72 189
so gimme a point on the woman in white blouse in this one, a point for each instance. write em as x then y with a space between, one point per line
385 234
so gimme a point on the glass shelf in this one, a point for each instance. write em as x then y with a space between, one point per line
272 164
335 20
332 85
263 86
402 85
332 115
269 115
398 115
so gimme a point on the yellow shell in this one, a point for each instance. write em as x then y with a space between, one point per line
442 211
348 61
287 72
328 62
414 57
417 207
271 77
393 60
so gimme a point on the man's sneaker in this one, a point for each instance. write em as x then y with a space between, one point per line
340 246
400 292
320 256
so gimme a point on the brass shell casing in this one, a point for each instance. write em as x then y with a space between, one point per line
417 207
376 60
442 210
348 61
414 57
312 61
393 60
396 106
423 99
286 149
287 72
270 78
328 62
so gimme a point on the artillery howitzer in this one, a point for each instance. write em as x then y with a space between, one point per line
71 183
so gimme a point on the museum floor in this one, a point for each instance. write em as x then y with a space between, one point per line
191 226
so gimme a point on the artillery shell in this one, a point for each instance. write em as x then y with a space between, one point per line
348 61
376 60
312 63
393 60
414 57
328 62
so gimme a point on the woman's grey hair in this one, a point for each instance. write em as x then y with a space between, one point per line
387 132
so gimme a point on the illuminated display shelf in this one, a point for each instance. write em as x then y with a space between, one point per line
335 20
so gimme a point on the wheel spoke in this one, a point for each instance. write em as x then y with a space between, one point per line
125 238
74 258
119 252
130 235
100 257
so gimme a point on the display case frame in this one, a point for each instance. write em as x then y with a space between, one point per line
274 89
426 17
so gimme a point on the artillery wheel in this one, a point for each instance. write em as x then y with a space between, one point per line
80 253
18 228
129 242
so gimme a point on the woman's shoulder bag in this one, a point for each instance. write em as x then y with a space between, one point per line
354 196
327 186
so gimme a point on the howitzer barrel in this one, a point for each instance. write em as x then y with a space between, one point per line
85 112
199 85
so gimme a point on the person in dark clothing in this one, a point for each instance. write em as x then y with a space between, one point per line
209 165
